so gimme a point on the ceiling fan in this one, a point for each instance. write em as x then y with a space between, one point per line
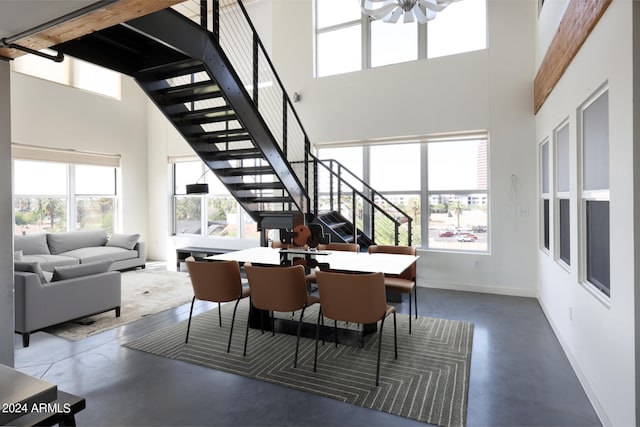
410 10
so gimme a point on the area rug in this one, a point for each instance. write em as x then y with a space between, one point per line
144 293
428 382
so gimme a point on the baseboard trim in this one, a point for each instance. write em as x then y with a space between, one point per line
470 287
586 386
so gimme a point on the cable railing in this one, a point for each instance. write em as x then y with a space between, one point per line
230 23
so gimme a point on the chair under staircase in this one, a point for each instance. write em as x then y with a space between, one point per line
215 83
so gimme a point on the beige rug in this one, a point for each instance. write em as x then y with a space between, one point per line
144 292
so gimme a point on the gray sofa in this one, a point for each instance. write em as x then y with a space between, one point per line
43 299
78 247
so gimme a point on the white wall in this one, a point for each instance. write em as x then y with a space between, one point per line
6 221
489 89
598 336
54 115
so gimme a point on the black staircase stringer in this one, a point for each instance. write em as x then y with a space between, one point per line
183 35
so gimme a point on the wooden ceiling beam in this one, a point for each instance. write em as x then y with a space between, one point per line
113 14
577 23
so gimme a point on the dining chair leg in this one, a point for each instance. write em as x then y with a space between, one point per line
186 340
335 332
395 335
295 360
219 315
315 354
415 298
233 319
409 313
246 335
273 324
379 351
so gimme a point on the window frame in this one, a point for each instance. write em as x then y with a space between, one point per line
546 229
599 290
562 196
366 40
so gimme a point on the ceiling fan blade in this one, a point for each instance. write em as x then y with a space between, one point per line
408 17
380 12
420 16
433 5
393 17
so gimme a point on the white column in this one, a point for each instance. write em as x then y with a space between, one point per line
6 221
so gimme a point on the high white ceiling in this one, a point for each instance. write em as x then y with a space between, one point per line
17 16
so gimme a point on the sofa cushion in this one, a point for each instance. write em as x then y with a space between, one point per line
47 262
101 253
30 267
126 241
70 240
81 270
31 244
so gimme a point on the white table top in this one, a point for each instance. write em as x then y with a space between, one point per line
337 260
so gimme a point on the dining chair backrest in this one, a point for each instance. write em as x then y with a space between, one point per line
356 298
280 288
410 272
337 246
217 281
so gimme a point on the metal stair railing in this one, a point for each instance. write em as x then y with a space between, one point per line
229 21
381 220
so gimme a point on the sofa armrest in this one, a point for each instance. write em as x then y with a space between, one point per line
40 305
141 247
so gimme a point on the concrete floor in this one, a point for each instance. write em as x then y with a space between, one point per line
519 375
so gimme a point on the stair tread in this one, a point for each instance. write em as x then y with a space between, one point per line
174 69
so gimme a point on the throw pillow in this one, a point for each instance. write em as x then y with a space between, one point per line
80 270
30 267
31 244
126 241
17 255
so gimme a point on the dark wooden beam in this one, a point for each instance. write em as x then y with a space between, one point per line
113 14
577 23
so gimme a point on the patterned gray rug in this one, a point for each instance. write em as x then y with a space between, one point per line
428 382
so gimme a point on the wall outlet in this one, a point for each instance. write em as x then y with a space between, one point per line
571 314
523 211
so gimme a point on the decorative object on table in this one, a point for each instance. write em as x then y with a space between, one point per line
431 373
303 236
410 10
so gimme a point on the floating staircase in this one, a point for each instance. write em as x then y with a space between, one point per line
218 106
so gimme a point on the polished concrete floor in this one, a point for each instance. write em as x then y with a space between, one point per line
519 376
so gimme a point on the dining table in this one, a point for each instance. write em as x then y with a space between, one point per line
340 261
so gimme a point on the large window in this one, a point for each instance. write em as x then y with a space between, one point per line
563 205
595 191
347 40
458 195
545 196
454 187
71 72
53 197
216 214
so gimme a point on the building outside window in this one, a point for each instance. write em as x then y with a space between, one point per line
595 240
347 40
456 188
53 197
457 191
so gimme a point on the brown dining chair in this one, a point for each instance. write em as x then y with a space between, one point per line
356 298
218 281
405 282
280 289
337 246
